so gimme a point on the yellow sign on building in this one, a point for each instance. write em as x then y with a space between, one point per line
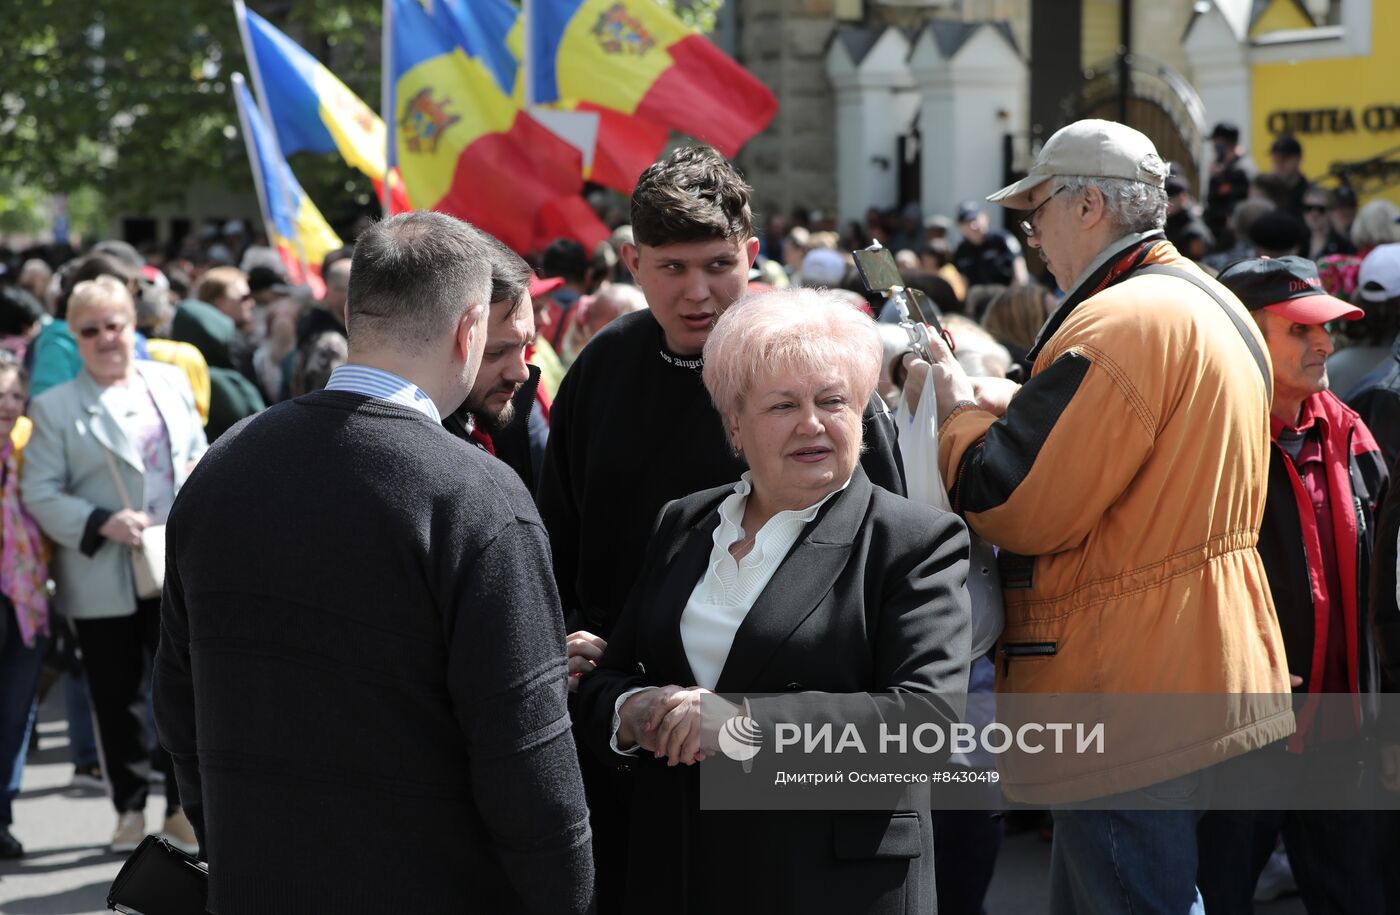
1342 109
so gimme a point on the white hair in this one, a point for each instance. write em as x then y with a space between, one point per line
1131 205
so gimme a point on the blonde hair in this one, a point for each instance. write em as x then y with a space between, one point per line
102 292
217 282
1375 224
799 330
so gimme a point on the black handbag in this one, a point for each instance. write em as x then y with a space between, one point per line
160 879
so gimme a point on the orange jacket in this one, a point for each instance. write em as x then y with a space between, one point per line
1125 488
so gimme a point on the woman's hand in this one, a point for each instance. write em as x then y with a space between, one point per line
634 727
584 650
688 729
125 527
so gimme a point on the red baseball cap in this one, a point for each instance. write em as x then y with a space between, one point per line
1287 286
544 287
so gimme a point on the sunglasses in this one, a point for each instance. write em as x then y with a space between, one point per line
91 331
1315 208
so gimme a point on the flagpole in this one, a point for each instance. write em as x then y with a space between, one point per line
527 80
386 104
240 13
259 180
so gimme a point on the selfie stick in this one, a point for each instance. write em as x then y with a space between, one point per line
918 333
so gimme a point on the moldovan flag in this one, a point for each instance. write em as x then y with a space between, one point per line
462 144
312 110
636 58
294 226
618 147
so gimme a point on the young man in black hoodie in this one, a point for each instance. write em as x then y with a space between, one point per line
633 428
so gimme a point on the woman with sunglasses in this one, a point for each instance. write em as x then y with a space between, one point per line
109 451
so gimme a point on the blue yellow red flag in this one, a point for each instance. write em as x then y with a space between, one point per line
461 142
616 147
636 58
308 106
295 227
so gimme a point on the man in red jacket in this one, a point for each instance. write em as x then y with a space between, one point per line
1326 479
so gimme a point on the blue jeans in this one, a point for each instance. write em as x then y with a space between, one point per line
1122 861
19 683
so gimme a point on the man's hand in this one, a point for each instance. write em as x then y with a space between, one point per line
951 384
583 650
125 527
994 394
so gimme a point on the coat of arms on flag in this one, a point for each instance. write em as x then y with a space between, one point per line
424 121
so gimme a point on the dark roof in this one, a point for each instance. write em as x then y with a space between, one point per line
951 34
859 40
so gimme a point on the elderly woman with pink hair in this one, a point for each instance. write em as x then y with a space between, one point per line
801 577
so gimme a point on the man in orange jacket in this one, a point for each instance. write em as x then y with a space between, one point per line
1124 485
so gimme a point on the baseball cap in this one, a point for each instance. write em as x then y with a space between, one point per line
823 267
1379 279
1277 231
1226 130
1287 145
152 275
967 210
1176 181
544 287
263 277
1090 148
1287 286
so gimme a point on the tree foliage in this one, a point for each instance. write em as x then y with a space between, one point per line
698 14
130 98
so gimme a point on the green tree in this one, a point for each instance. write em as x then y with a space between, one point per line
129 99
698 14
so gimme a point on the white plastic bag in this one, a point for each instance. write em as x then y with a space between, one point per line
918 443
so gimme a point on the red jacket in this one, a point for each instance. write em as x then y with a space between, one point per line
1357 481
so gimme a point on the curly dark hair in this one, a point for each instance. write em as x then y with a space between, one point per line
694 194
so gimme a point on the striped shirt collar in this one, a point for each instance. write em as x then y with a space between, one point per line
373 382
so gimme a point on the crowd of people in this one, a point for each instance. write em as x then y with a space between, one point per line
466 550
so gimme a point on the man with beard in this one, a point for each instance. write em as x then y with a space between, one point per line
499 415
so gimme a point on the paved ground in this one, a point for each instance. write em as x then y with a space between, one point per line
68 868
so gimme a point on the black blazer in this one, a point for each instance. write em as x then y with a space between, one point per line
871 598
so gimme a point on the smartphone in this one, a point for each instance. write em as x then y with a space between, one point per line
877 268
879 273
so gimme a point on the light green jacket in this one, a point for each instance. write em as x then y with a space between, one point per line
66 477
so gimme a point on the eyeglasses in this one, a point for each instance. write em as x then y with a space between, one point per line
91 331
1027 225
1315 207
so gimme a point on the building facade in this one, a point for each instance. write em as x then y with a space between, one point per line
888 102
